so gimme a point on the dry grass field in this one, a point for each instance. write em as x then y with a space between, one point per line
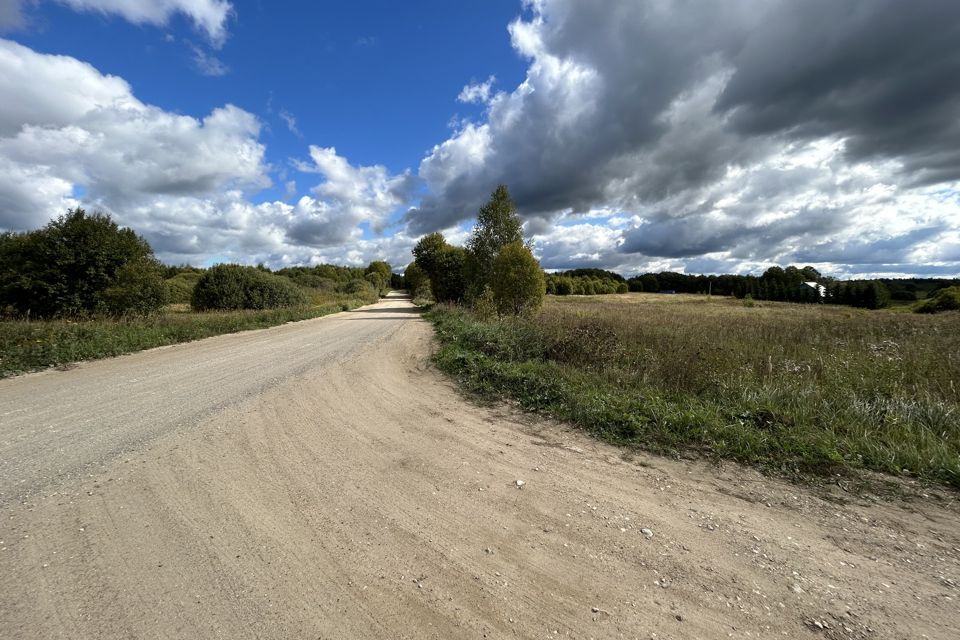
795 389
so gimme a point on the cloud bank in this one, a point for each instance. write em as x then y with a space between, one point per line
745 132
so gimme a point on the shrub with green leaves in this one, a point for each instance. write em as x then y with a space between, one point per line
947 299
357 286
517 281
137 290
232 286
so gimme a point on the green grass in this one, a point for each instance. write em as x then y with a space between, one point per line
31 346
793 389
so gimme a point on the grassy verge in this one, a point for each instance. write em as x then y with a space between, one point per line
30 346
792 389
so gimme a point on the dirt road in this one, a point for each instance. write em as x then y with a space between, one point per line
319 480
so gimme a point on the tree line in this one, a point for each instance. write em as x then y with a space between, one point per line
85 265
497 270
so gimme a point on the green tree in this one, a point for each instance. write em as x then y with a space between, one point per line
497 226
415 280
381 267
448 284
876 295
650 283
517 281
427 251
444 266
64 268
376 279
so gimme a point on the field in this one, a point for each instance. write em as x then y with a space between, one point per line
33 345
793 389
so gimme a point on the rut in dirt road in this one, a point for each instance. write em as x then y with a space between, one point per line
320 480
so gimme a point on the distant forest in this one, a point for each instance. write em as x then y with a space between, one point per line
776 283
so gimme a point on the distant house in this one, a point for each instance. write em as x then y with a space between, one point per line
819 289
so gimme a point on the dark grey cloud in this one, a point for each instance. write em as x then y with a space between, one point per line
812 117
878 72
890 250
322 231
601 75
736 233
11 15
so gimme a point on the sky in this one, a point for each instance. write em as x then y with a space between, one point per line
701 136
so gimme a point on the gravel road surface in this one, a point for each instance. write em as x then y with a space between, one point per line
320 480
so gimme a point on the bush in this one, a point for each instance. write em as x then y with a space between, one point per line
231 286
415 279
517 281
357 286
138 289
943 300
484 306
65 268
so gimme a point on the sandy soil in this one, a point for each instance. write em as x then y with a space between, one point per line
350 492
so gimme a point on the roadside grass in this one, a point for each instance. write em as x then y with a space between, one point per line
792 389
34 345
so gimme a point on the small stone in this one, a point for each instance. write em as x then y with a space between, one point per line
595 609
647 533
520 484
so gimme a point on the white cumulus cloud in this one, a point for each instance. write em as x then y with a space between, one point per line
477 92
209 16
72 136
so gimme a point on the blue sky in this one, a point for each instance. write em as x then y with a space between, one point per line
363 76
635 135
